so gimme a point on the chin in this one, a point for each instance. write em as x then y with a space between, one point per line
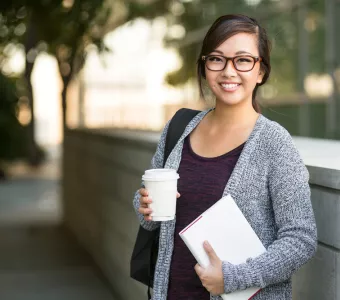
230 101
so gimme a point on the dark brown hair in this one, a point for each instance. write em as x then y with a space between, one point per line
224 28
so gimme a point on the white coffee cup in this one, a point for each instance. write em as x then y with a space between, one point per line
161 185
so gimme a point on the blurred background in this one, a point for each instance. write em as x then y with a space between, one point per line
132 63
71 67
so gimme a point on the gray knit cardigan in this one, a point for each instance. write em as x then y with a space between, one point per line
270 186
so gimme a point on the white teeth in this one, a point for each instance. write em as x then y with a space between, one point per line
229 86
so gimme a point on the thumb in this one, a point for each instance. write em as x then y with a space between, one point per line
199 270
211 252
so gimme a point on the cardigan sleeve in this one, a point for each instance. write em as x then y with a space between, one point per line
296 239
156 163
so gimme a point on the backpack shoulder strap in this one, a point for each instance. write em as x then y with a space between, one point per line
176 128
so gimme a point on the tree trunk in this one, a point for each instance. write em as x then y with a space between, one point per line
66 78
64 107
32 149
66 81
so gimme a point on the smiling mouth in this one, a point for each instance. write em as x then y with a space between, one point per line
230 86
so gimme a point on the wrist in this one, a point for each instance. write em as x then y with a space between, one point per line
229 277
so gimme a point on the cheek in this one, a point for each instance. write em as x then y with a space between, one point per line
250 79
211 80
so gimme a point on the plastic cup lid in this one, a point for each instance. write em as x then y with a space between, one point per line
160 175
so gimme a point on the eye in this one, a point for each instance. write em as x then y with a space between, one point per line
216 59
244 60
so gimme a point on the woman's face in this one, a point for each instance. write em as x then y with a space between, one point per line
231 86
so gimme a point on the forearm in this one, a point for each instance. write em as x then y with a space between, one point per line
277 264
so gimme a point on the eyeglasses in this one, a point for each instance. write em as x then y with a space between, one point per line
242 63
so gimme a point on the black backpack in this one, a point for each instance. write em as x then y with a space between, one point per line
145 251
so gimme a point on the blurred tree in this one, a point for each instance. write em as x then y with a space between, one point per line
62 28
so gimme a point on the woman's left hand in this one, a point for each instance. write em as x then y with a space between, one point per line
212 276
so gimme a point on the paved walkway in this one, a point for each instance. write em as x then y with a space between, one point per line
39 260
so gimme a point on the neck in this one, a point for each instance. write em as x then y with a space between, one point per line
234 116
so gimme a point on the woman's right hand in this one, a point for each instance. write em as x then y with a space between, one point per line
144 203
145 200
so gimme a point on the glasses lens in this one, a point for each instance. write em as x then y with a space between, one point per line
244 63
215 62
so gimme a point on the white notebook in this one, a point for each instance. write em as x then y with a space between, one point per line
224 226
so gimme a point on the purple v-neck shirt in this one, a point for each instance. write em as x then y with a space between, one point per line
202 182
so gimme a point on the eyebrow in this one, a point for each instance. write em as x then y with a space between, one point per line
237 53
242 52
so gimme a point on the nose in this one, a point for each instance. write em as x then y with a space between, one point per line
229 70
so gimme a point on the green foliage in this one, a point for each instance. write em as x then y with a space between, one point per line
138 9
61 28
11 131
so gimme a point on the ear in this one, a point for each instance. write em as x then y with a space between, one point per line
260 76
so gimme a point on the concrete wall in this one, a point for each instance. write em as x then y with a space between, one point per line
320 279
101 172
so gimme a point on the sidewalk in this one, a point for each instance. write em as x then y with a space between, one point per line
31 196
39 259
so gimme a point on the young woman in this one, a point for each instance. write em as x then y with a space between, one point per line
233 149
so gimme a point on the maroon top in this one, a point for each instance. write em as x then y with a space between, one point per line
202 182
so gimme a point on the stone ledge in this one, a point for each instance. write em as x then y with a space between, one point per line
326 206
319 279
321 156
